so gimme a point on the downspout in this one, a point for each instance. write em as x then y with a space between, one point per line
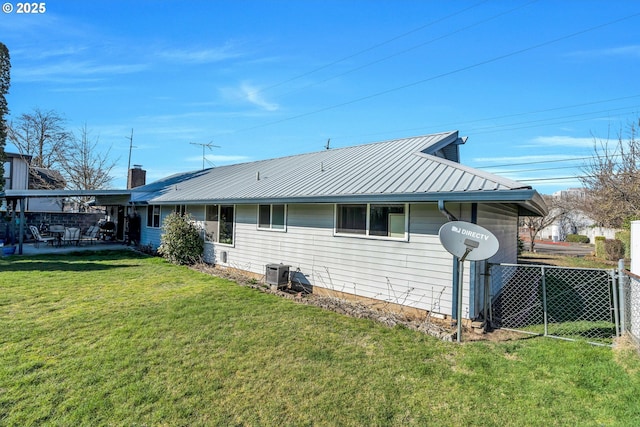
454 287
445 212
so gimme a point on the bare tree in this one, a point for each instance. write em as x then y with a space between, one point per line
41 135
534 224
612 180
83 166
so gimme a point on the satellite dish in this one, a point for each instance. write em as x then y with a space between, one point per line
468 241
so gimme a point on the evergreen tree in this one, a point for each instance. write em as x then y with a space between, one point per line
5 67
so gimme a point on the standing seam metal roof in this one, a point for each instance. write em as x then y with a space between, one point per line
390 168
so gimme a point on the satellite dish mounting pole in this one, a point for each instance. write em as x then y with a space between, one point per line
466 240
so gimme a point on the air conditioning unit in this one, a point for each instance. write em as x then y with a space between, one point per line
277 274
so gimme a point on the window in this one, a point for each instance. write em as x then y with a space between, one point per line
386 220
219 224
372 220
351 219
153 216
271 217
181 210
226 220
7 175
211 223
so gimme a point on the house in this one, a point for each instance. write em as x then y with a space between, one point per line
574 221
360 221
20 175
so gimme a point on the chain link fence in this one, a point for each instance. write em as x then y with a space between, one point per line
567 303
630 297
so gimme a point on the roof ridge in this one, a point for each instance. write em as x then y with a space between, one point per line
333 150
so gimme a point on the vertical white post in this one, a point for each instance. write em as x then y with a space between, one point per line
634 291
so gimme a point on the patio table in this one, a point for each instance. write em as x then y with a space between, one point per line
57 231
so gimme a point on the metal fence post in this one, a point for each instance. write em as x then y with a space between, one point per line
614 296
543 282
622 301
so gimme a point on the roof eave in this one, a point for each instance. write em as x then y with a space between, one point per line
529 201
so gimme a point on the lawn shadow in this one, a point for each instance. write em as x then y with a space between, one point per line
70 261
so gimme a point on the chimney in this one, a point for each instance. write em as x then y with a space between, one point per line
137 177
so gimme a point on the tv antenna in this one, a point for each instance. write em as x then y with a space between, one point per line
208 145
130 148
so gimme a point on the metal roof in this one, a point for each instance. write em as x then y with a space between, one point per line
408 169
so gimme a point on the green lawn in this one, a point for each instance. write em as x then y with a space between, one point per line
121 339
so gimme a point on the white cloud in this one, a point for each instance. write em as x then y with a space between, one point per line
202 56
69 71
215 158
248 93
564 141
253 95
508 160
631 51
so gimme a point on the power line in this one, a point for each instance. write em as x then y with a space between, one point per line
370 48
402 52
445 74
525 113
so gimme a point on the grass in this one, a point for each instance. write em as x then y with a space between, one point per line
122 339
565 261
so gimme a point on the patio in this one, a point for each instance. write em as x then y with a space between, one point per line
29 248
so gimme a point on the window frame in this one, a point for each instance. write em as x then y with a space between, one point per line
262 226
233 225
211 217
152 216
339 231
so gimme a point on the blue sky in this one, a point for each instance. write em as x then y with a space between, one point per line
531 83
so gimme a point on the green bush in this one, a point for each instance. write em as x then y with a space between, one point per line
599 244
614 249
181 242
577 238
625 237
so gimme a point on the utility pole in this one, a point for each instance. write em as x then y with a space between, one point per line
208 145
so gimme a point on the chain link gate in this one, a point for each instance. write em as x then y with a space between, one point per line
560 302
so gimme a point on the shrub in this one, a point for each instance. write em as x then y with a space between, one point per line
520 246
614 249
625 237
577 238
181 242
600 252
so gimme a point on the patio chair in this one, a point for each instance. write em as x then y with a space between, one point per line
38 238
71 235
91 235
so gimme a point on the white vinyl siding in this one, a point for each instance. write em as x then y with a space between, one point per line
417 272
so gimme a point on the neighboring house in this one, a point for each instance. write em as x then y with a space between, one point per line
575 221
19 175
360 221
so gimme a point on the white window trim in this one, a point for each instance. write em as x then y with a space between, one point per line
270 228
233 228
367 234
159 217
